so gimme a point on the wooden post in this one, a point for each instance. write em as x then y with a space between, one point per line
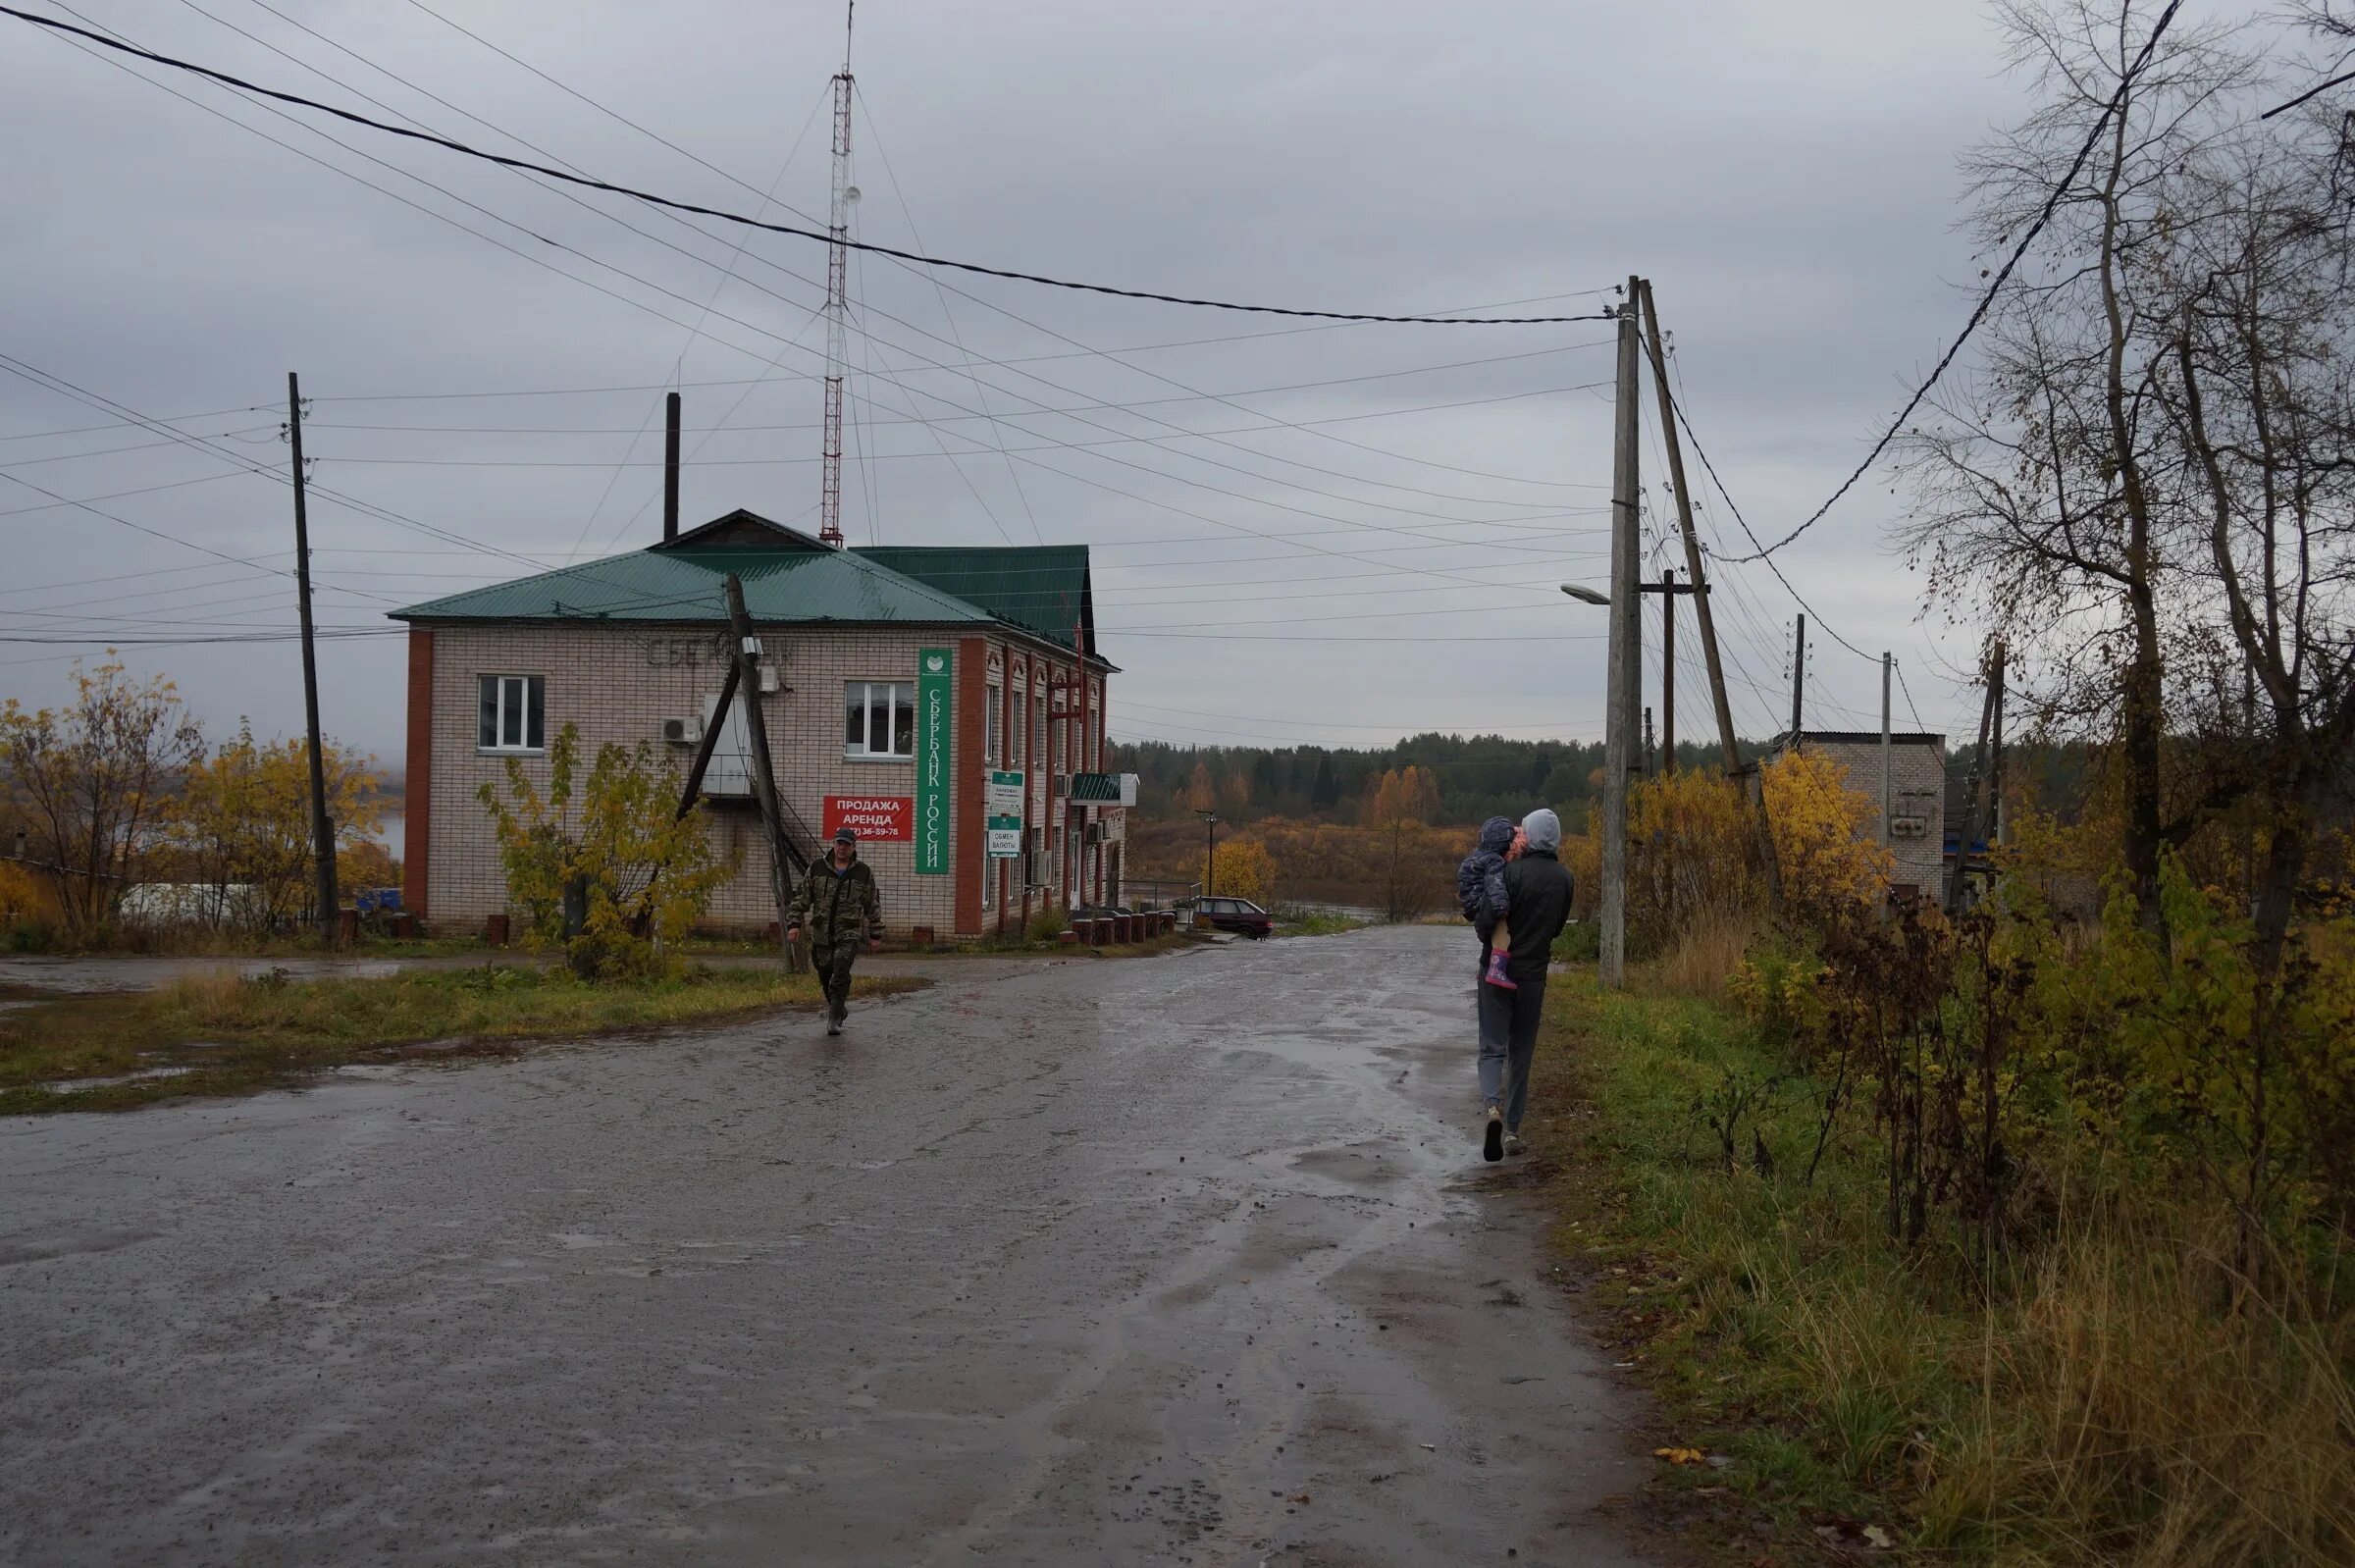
1974 812
1727 741
693 789
1887 838
323 831
764 777
1624 673
1799 672
1668 671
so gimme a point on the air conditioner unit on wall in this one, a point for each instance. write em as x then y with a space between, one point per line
682 731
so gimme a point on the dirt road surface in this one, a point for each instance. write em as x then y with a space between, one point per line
1179 1259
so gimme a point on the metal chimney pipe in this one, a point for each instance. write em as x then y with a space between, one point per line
671 471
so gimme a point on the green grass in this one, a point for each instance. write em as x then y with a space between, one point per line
2096 1406
234 1035
1293 921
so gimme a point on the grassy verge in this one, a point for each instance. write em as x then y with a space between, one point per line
1316 923
2100 1405
219 1034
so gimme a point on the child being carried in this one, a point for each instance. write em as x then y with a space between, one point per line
1480 891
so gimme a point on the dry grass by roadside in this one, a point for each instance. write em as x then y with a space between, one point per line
2108 1405
221 1034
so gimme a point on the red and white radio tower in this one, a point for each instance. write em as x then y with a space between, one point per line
838 229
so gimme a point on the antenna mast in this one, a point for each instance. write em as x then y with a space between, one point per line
838 228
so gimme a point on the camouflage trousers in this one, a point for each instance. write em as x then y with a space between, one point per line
832 966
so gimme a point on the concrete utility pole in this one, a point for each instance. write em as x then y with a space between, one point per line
1699 586
1619 714
764 776
323 831
1210 857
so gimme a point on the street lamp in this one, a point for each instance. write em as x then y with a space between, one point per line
1586 596
1210 864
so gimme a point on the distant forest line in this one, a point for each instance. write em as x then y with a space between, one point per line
1479 775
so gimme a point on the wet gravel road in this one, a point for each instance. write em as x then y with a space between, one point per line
1176 1260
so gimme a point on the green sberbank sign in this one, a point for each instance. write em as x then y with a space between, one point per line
935 668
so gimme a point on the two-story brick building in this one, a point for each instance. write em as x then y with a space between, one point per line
947 704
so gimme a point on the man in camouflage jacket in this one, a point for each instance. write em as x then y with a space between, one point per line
838 906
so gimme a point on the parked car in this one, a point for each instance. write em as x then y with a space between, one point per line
1240 915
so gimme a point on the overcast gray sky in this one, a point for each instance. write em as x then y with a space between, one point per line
1784 173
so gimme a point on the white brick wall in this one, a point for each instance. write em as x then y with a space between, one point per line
1916 793
618 682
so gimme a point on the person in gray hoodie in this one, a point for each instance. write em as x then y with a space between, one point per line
1538 891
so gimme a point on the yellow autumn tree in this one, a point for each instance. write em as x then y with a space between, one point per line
605 868
1242 868
87 784
1409 796
1826 835
1689 853
240 828
1201 794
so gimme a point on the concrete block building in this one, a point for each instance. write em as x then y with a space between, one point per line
1917 799
947 704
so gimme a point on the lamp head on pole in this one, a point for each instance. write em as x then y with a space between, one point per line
1586 596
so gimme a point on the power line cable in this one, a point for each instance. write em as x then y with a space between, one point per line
546 171
2052 203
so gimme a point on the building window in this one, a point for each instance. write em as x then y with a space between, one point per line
1095 729
879 719
513 713
1038 726
993 729
1022 734
1061 725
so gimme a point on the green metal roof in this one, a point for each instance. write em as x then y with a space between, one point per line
1042 588
789 577
782 583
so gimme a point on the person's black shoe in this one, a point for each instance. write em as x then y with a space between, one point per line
1491 1146
833 1024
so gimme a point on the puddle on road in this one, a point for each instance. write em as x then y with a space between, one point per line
144 1074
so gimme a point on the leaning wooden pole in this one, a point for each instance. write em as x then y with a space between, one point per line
1763 831
765 775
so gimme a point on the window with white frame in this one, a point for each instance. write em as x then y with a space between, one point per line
879 719
1038 728
1062 725
1095 729
1022 731
512 714
993 729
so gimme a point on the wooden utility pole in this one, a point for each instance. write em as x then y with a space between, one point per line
1994 828
1618 728
323 831
1974 813
764 777
1718 699
1667 670
1799 673
692 791
1886 665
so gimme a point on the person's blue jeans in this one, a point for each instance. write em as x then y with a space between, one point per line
1509 1042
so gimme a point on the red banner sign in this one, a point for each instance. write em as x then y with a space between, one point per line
875 818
